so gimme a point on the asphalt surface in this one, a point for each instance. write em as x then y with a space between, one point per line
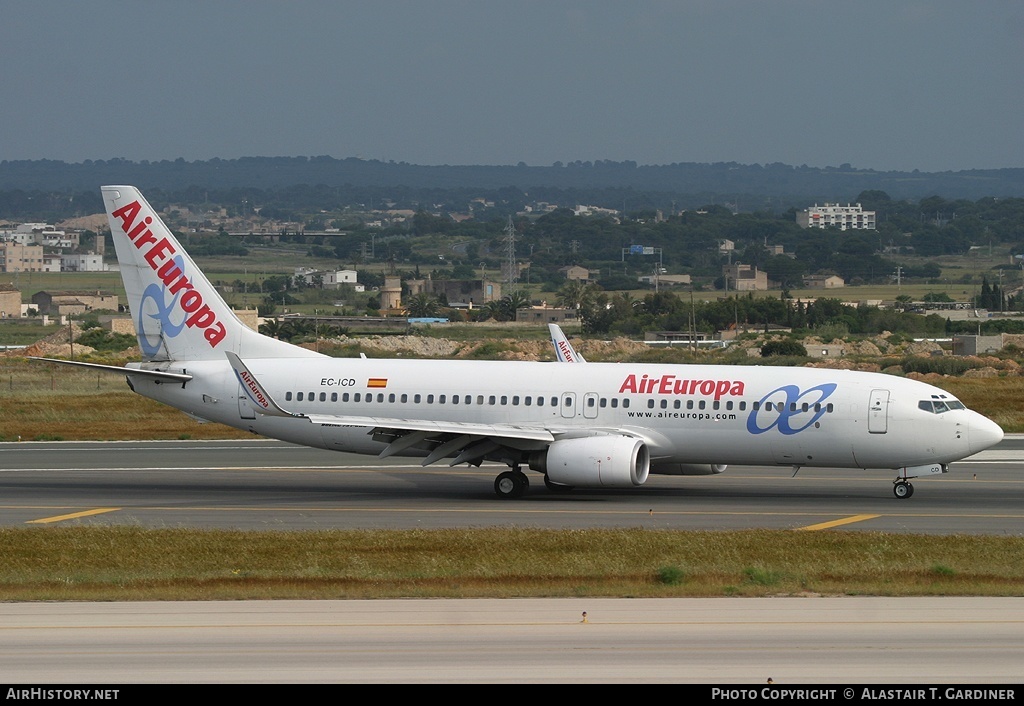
263 484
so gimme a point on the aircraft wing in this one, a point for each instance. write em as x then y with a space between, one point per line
468 441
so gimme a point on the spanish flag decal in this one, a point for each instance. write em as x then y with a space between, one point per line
377 382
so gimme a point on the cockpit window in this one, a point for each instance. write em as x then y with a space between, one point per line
938 406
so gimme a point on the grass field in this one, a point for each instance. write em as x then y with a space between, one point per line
131 563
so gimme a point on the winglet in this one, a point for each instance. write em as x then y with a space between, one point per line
563 349
265 404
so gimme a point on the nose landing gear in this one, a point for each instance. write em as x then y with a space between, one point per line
902 489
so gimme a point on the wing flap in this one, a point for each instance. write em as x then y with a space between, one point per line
434 427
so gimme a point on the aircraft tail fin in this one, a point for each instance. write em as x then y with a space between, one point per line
178 315
563 349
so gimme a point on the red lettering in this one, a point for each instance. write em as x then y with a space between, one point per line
181 284
139 228
168 272
191 300
202 318
127 214
628 385
671 385
665 387
215 334
157 252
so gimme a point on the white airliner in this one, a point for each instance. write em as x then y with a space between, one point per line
592 425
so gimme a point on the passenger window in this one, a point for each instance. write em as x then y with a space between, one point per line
468 399
334 397
299 397
323 396
491 399
504 399
391 397
528 400
441 399
615 402
625 403
288 396
676 404
515 400
416 398
357 397
344 397
479 399
650 404
430 399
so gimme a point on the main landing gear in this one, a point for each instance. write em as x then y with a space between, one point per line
902 489
511 484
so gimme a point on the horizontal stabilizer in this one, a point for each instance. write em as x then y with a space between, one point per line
162 375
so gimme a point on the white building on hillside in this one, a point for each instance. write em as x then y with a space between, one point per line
832 215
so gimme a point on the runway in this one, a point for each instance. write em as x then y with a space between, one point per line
264 484
270 485
709 641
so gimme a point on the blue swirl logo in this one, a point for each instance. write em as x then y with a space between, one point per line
160 310
789 409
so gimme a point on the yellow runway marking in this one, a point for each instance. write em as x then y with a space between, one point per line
73 515
837 523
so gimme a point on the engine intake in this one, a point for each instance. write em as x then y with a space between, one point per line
595 462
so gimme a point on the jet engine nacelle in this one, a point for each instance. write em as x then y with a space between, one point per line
595 462
688 469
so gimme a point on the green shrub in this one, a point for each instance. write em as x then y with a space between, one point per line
785 346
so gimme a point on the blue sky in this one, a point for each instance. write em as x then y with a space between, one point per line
933 85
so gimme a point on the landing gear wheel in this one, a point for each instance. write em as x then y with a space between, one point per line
556 487
902 489
511 484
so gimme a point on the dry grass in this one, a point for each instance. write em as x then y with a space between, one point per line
127 563
40 401
1000 399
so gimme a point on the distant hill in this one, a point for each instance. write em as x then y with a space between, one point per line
780 183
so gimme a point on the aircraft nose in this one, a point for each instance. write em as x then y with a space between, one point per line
982 434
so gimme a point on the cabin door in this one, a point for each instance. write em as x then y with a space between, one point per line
878 412
568 405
